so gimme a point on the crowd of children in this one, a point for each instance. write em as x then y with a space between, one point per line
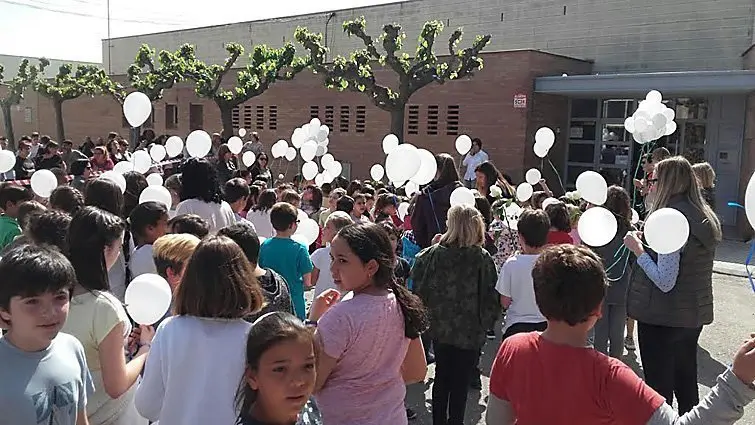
394 290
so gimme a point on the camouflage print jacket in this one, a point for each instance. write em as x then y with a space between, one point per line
457 285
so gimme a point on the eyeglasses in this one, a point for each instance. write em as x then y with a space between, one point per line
652 180
298 221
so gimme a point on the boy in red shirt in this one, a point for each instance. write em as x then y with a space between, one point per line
555 378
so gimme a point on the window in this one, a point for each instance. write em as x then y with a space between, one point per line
314 111
344 119
329 116
452 120
260 117
171 116
272 117
413 119
432 120
248 116
196 117
236 117
361 114
584 108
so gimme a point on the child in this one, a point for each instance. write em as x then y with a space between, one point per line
401 267
386 208
236 192
369 203
11 197
346 204
274 287
67 199
270 394
174 186
529 373
189 223
291 197
321 276
149 221
44 372
360 206
286 256
574 214
171 254
199 352
515 279
504 237
560 224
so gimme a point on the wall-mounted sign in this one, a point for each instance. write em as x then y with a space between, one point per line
520 101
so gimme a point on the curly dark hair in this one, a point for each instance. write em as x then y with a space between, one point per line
559 216
50 228
67 199
200 181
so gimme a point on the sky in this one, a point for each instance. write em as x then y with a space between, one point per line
73 29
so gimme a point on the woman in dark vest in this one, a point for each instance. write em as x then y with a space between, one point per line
671 295
429 217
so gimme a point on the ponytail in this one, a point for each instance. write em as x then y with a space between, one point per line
414 312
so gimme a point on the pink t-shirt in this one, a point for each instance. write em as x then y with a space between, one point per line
366 335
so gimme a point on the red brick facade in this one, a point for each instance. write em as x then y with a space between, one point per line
482 106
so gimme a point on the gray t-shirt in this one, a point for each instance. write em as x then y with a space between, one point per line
47 387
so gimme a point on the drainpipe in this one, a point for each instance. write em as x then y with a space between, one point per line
327 22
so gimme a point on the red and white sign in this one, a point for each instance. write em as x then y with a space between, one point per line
520 101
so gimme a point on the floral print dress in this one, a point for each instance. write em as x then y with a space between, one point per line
506 241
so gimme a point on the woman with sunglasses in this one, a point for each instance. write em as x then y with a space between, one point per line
260 168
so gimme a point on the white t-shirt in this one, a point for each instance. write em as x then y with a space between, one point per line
321 259
193 371
141 261
261 222
472 161
217 216
515 282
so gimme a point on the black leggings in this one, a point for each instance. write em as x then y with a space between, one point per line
452 366
669 361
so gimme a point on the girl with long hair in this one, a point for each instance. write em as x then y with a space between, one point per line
456 280
487 176
99 321
198 355
368 346
671 295
259 215
226 163
201 195
260 169
429 216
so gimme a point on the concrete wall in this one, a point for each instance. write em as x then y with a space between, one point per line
619 35
11 64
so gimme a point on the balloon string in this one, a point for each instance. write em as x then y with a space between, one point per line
747 266
553 167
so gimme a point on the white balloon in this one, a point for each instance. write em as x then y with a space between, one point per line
309 170
174 146
670 128
326 159
235 144
428 167
411 188
462 196
669 114
299 137
327 176
654 96
666 230
549 201
301 215
463 144
524 192
137 108
43 182
659 121
324 143
280 148
116 178
597 226
635 217
155 179
592 187
334 169
142 161
309 229
403 210
314 127
123 167
640 138
321 150
750 200
157 152
248 158
198 144
390 142
148 298
629 125
308 150
541 150
533 176
546 136
322 133
156 194
402 163
290 154
7 161
377 172
319 180
641 124
242 132
281 176
300 238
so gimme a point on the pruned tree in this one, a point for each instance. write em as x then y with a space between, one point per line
414 73
14 92
152 78
266 66
88 80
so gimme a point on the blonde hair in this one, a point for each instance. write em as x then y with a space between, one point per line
676 177
339 219
173 251
706 177
465 227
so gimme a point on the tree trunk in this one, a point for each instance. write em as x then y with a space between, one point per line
397 122
60 131
226 117
9 127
